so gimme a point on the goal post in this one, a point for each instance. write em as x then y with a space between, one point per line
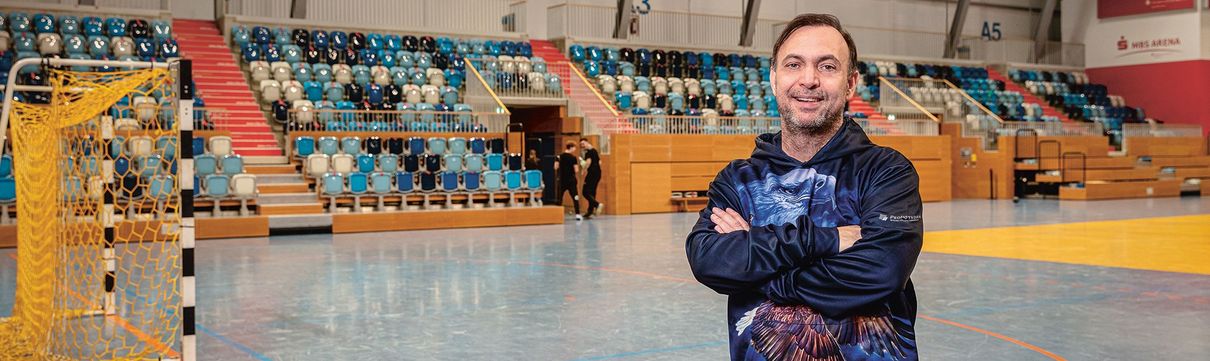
103 171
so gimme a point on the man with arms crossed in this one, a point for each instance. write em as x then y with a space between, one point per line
814 237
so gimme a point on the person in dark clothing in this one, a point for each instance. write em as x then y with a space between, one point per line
567 167
532 161
814 237
592 176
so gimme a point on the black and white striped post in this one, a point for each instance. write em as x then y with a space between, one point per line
108 214
185 140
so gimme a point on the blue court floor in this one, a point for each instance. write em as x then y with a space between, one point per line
619 288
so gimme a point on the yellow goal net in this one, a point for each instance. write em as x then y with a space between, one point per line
104 230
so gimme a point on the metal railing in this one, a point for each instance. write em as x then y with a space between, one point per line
337 120
479 94
679 124
523 78
898 105
1161 130
600 117
1057 129
895 126
207 118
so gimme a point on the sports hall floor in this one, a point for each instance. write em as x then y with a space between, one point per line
1123 280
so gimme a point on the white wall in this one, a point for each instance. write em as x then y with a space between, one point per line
1100 36
192 9
886 27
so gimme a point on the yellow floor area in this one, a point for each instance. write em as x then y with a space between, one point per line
1174 244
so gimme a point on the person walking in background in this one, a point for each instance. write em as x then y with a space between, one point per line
567 168
592 176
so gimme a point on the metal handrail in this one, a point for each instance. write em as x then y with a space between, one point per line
911 101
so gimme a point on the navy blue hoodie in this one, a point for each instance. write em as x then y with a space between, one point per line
792 296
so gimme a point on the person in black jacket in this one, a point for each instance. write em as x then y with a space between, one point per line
566 168
592 176
779 234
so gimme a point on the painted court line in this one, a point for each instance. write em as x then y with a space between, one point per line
234 344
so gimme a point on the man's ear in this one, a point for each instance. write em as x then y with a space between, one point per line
852 82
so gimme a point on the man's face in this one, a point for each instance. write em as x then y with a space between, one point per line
811 78
584 144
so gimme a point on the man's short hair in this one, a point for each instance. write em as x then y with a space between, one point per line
806 20
569 145
585 140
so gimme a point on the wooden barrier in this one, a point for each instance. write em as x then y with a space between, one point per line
1165 146
207 228
643 170
445 219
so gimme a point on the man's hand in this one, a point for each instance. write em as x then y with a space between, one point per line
848 236
727 221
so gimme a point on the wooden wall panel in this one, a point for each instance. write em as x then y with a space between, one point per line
1165 146
647 168
403 221
916 147
651 187
934 179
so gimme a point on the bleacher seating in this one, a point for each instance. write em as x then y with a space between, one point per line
440 168
991 93
68 36
1073 94
318 73
658 82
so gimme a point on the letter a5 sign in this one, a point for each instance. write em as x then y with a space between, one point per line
1116 8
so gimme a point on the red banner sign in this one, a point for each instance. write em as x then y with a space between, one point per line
1115 8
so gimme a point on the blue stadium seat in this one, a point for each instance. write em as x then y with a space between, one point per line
533 182
332 186
432 162
404 183
121 166
351 145
358 185
365 163
495 162
304 146
453 162
473 162
512 181
329 145
380 186
388 163
449 181
218 187
233 164
411 163
6 166
436 145
416 145
471 182
203 164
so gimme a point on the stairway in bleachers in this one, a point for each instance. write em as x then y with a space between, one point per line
222 86
1047 109
577 91
876 119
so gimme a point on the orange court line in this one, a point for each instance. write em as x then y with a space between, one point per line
1017 342
996 335
130 328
